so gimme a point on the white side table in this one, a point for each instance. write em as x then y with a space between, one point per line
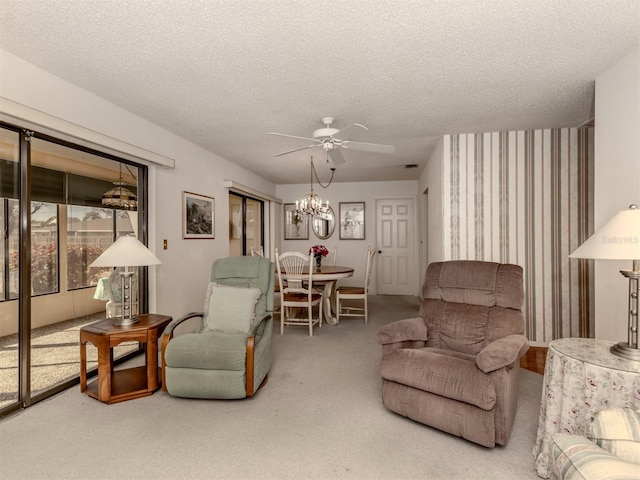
581 376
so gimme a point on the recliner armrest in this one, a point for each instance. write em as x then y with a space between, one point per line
174 323
502 353
256 324
407 330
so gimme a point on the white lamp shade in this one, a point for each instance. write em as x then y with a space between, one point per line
618 239
126 251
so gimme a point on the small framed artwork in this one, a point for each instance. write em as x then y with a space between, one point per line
352 221
296 226
198 216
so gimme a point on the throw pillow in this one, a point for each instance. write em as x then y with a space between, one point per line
573 457
229 309
617 430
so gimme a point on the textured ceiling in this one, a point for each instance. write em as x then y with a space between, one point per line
224 73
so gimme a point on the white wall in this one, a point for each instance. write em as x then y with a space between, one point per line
431 181
179 283
617 182
350 252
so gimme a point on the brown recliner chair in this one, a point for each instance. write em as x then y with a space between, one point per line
456 367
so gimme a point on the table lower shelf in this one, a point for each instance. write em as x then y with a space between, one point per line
126 384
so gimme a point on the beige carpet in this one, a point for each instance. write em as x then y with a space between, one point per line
320 416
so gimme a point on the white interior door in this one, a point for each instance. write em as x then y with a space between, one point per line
397 260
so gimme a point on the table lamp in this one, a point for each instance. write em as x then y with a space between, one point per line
619 239
126 251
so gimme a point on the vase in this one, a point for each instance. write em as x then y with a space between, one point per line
318 261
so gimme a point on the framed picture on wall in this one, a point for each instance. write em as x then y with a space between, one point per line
198 216
351 221
296 226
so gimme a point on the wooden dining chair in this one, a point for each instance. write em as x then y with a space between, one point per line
296 290
356 293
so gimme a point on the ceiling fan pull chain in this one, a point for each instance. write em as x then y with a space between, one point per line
313 170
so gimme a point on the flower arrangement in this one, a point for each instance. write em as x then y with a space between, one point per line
319 251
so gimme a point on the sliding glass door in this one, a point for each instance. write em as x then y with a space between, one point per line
55 224
9 260
246 229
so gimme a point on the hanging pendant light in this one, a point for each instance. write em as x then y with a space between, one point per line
311 204
119 196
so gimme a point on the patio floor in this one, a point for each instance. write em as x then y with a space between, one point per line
55 357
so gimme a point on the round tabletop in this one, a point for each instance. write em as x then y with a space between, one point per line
327 272
330 272
594 352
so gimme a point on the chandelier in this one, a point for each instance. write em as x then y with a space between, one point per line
119 196
311 204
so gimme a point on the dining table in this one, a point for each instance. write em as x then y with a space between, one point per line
329 275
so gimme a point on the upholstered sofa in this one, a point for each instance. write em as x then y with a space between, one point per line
456 366
610 450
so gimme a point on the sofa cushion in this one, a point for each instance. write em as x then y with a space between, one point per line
209 351
463 328
229 309
450 376
248 272
576 458
617 430
475 282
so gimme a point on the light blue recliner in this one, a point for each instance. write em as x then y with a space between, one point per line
229 355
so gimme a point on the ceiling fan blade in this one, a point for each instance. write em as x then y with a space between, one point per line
369 147
346 132
292 136
295 150
336 157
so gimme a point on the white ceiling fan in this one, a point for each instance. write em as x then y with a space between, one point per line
332 140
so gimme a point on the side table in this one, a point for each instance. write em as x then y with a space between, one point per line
581 376
114 386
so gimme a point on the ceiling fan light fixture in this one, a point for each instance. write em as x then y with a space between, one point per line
334 139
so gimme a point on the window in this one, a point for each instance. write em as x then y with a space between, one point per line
90 231
9 254
44 248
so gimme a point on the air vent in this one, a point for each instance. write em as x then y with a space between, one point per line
411 165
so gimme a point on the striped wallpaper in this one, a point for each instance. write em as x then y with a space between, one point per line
526 197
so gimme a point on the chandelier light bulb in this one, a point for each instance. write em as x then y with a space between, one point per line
312 204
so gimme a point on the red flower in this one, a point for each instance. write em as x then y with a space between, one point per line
319 250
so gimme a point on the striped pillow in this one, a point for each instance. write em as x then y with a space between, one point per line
617 430
576 458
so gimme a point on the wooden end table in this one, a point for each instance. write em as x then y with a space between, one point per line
114 386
